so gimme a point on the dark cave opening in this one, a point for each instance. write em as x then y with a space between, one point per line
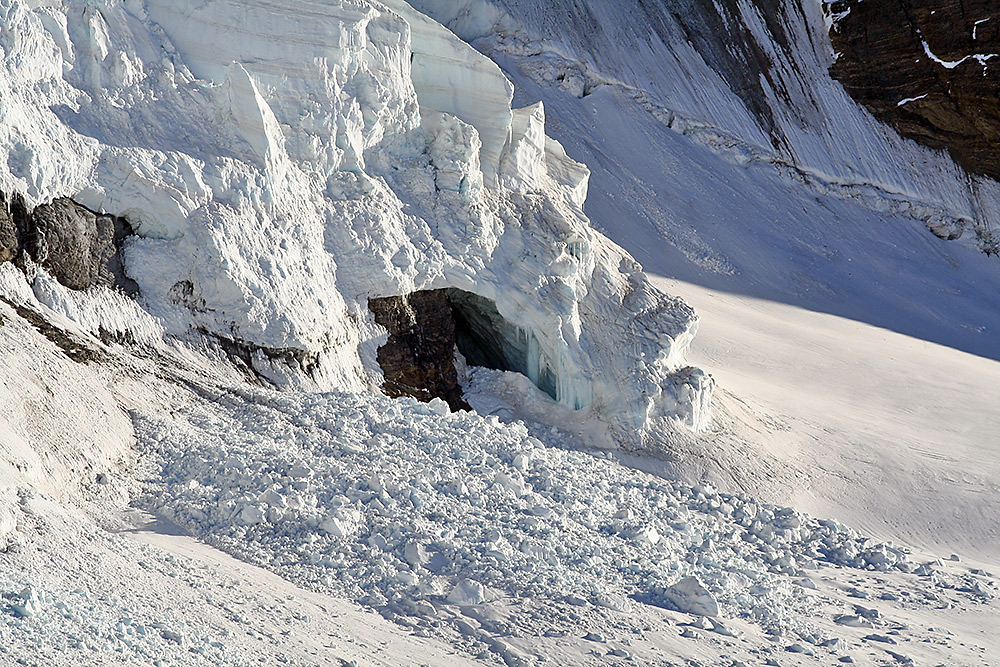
486 339
426 327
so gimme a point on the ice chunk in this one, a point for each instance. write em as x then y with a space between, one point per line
648 535
853 621
27 604
342 524
567 172
251 516
299 471
522 165
690 596
454 149
415 554
511 483
254 119
272 498
467 592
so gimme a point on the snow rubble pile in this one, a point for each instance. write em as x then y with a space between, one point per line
408 508
283 162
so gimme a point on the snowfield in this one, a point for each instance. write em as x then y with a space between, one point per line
503 541
207 473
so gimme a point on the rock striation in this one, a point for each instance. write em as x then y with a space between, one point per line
928 68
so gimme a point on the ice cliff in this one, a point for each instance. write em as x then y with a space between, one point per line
282 163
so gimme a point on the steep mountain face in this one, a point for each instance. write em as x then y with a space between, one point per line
785 189
748 80
278 179
929 69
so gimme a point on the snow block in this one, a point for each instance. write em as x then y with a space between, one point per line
524 158
691 597
452 77
467 592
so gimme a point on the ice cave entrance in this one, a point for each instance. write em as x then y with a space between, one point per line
486 338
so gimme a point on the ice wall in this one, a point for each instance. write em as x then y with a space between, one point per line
450 77
486 339
282 162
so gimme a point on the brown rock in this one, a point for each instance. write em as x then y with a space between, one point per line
418 359
78 246
13 219
883 61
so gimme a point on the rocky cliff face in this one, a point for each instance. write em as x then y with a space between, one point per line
929 68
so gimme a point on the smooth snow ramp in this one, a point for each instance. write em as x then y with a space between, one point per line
283 162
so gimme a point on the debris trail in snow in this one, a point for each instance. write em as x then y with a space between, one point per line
408 507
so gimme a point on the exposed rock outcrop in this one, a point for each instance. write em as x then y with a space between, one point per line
929 68
418 359
14 220
80 248
73 347
256 362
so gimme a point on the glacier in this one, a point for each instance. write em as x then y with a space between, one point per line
277 178
205 471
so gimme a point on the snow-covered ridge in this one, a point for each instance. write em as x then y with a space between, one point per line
284 162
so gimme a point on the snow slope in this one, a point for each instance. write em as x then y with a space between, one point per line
502 541
834 307
887 433
747 79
